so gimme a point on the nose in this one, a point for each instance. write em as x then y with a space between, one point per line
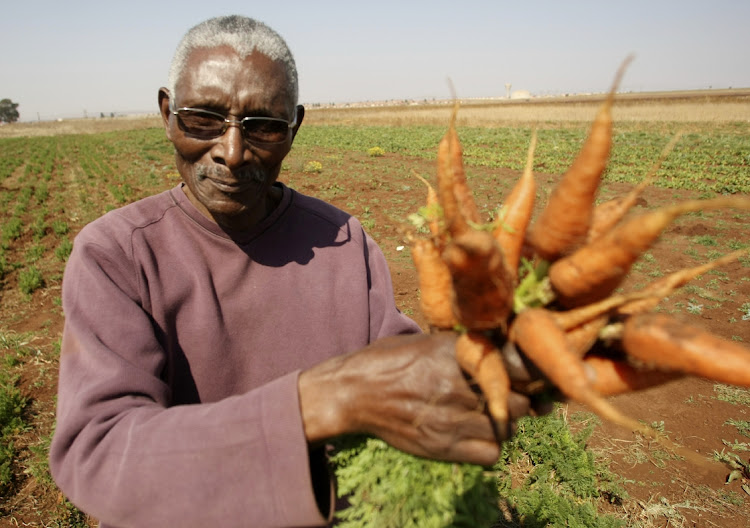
230 150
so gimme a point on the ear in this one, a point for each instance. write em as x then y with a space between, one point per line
164 110
300 117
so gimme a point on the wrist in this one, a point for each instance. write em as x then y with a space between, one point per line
322 402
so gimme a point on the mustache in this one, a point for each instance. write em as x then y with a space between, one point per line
249 173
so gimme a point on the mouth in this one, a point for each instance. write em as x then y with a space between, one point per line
231 183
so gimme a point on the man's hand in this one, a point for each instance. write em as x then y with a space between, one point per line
408 391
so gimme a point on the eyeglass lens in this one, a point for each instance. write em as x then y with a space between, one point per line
208 125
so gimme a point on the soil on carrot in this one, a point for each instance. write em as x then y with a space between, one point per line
382 191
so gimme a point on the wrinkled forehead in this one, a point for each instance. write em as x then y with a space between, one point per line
218 74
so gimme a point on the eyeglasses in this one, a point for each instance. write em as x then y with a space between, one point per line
205 124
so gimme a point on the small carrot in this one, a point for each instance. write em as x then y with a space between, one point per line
608 214
481 360
658 339
456 198
610 377
566 218
435 284
595 270
535 332
431 209
582 337
483 291
515 215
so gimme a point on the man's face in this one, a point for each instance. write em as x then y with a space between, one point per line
229 178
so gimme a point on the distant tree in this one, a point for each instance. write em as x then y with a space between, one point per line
8 111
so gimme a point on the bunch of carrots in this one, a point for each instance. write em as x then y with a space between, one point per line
545 287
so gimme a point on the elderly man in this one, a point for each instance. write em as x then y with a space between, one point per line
217 334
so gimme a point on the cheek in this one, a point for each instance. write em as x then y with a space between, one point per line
190 150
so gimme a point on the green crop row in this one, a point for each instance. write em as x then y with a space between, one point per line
706 159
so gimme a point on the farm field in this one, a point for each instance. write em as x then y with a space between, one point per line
56 178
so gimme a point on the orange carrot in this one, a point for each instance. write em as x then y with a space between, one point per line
514 217
565 220
582 337
432 207
455 196
483 291
535 332
608 214
575 317
595 270
609 377
435 284
663 341
479 358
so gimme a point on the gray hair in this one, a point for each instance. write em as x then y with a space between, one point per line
244 35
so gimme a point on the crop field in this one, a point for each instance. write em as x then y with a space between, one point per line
566 469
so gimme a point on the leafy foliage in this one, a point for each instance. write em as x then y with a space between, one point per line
713 159
562 484
388 488
565 479
12 404
8 111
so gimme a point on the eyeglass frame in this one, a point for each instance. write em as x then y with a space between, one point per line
290 124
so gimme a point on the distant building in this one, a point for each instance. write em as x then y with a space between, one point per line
520 94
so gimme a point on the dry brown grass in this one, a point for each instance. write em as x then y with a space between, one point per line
79 126
714 106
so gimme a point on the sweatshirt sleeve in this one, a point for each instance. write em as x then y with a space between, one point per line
125 456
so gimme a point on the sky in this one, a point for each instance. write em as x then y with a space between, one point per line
61 59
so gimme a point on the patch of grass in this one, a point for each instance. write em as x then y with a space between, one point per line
12 229
30 280
12 405
743 426
60 227
732 394
705 240
63 249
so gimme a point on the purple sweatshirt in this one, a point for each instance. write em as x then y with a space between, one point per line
177 399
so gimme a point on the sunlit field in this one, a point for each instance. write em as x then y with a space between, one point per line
56 177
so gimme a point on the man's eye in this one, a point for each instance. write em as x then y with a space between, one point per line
202 120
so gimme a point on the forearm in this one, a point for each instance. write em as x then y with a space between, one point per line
130 461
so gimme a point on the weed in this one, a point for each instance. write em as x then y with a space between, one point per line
745 309
705 240
563 479
737 244
12 230
63 250
743 426
60 227
12 404
731 394
313 167
34 253
30 280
